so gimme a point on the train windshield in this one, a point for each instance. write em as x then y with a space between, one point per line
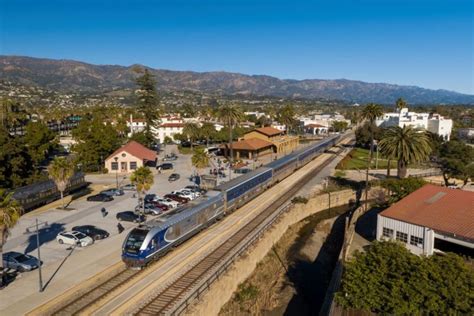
135 240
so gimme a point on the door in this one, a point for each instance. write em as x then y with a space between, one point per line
123 166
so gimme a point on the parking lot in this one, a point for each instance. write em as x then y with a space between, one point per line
63 265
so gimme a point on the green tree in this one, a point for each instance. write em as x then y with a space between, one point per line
95 142
230 115
364 133
188 110
148 102
61 171
370 113
339 126
456 160
207 131
200 159
191 130
388 280
287 116
140 137
143 180
405 144
39 141
15 163
400 104
400 188
10 212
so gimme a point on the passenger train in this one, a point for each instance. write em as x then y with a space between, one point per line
154 238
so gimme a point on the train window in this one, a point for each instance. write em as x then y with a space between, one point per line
153 243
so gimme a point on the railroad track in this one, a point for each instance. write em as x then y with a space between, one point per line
164 302
90 297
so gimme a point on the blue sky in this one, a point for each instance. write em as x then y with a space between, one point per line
428 43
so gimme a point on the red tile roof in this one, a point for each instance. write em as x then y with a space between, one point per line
315 125
136 149
269 131
250 144
442 209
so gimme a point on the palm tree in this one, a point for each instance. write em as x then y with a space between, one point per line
207 131
286 116
230 115
407 145
143 180
60 171
370 113
200 159
10 212
191 130
400 104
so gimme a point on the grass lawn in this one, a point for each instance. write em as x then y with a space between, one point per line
357 159
187 150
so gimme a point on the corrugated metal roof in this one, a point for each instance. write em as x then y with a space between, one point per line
439 208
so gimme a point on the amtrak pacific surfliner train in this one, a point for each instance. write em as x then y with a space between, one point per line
153 239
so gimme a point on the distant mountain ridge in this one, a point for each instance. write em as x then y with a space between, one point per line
69 75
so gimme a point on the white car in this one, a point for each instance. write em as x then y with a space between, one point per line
186 194
74 238
196 194
167 202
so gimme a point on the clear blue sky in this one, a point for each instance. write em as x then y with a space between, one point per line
428 43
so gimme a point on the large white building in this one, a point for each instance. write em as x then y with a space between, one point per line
431 219
323 120
434 123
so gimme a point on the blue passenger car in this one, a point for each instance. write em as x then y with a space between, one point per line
283 167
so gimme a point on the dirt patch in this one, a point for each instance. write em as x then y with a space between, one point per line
293 276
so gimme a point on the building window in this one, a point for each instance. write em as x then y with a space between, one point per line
114 165
133 165
387 232
402 237
416 241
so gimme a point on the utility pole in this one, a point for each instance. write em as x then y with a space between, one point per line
39 258
116 171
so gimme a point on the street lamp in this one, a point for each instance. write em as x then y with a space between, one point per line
116 171
38 245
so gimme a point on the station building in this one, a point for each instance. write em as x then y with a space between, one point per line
130 157
431 219
283 143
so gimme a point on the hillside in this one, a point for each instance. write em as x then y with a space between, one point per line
74 76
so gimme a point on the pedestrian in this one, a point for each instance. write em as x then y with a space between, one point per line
120 228
103 211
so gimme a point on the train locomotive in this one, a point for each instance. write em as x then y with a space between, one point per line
153 239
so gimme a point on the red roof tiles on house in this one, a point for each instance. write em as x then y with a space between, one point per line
442 209
136 149
172 125
315 126
269 131
250 144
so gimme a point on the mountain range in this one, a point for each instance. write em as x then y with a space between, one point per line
75 76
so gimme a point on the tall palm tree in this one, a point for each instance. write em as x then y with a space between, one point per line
230 115
286 116
191 130
407 145
10 212
370 113
400 104
60 171
143 180
200 159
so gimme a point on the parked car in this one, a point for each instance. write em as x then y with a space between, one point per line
177 198
113 192
149 208
129 187
186 194
129 216
160 206
92 231
170 157
194 193
195 188
74 238
150 197
20 262
165 166
168 202
173 177
100 198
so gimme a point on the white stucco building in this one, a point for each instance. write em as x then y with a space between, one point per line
324 121
135 125
431 219
434 123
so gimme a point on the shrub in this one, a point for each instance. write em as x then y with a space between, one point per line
299 199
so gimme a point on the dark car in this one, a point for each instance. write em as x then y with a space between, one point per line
149 197
165 166
160 206
171 157
92 231
177 198
20 262
173 177
130 216
113 192
100 198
